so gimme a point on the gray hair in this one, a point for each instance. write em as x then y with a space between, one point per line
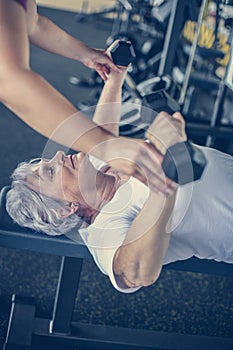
34 210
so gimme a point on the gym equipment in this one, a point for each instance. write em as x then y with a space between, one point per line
210 49
183 162
85 14
221 95
28 331
134 21
206 58
123 53
172 37
192 53
131 123
228 78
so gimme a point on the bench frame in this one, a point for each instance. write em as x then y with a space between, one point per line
26 331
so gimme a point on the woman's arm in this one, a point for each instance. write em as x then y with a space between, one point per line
138 262
108 109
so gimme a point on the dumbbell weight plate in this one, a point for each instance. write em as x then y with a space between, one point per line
184 163
123 53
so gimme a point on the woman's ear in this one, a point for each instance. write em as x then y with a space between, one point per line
69 210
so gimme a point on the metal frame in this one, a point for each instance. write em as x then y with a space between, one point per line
27 331
172 37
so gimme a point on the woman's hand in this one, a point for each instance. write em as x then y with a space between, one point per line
166 131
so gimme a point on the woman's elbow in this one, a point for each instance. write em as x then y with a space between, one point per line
147 281
132 279
136 274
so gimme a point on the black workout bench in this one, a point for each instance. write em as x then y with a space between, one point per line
26 331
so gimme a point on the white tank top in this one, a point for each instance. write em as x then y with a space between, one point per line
201 225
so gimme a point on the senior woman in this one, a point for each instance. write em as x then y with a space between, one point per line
130 230
42 107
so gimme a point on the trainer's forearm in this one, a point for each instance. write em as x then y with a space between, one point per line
48 36
138 262
44 109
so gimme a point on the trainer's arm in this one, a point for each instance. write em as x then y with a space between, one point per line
47 35
138 262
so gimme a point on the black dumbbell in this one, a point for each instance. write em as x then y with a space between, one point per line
158 101
183 162
123 53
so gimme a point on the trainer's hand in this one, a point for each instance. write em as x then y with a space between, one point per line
141 160
100 61
166 131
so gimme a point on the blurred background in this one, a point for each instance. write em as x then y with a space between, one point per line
198 76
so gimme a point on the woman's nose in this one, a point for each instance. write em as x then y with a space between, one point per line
58 158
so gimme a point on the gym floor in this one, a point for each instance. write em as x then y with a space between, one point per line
178 302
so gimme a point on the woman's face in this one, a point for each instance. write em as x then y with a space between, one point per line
61 176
